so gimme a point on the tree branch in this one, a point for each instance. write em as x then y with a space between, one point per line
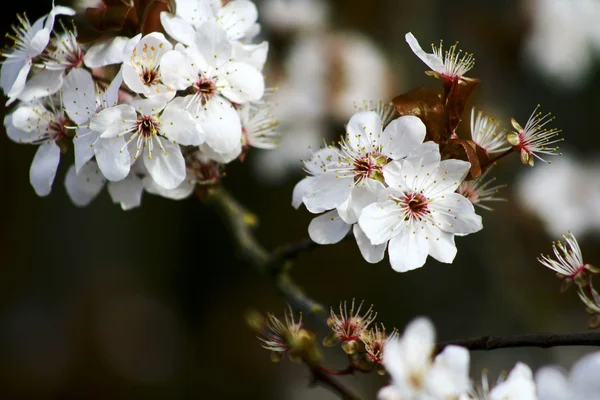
543 340
273 265
321 375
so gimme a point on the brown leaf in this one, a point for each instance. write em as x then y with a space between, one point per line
426 105
456 95
466 150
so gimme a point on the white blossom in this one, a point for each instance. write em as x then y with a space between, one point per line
535 139
82 100
420 213
414 374
581 383
141 64
484 132
206 69
155 128
448 64
41 122
29 42
478 192
237 18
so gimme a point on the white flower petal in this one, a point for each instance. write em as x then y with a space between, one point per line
417 344
83 145
168 170
19 83
518 385
408 250
552 384
252 54
381 221
223 158
83 187
299 191
431 60
221 124
114 121
212 42
105 52
112 161
178 70
79 96
238 17
328 228
449 375
9 73
441 244
127 192
178 28
401 136
584 377
449 176
363 129
245 83
182 191
180 127
43 168
15 134
43 83
455 214
327 192
371 253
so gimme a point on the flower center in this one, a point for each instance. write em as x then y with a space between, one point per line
415 206
147 126
149 76
74 59
206 88
369 167
57 128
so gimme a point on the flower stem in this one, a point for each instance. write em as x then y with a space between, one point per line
498 157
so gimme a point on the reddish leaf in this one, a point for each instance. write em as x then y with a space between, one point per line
426 105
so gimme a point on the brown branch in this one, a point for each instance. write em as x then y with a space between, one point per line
321 375
272 265
542 340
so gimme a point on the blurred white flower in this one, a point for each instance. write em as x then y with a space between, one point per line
548 192
420 213
563 39
582 382
519 385
415 375
308 99
290 15
237 18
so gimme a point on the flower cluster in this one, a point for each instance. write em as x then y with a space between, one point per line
401 179
416 374
569 265
150 111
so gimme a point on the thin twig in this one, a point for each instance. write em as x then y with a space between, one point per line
543 340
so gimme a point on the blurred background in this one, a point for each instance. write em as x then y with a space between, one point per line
100 303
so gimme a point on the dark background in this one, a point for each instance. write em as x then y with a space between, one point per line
101 303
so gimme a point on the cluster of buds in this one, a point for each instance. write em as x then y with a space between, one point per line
361 339
157 96
570 268
405 181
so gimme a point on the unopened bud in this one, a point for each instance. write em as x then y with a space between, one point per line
255 320
594 322
331 339
350 347
277 356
